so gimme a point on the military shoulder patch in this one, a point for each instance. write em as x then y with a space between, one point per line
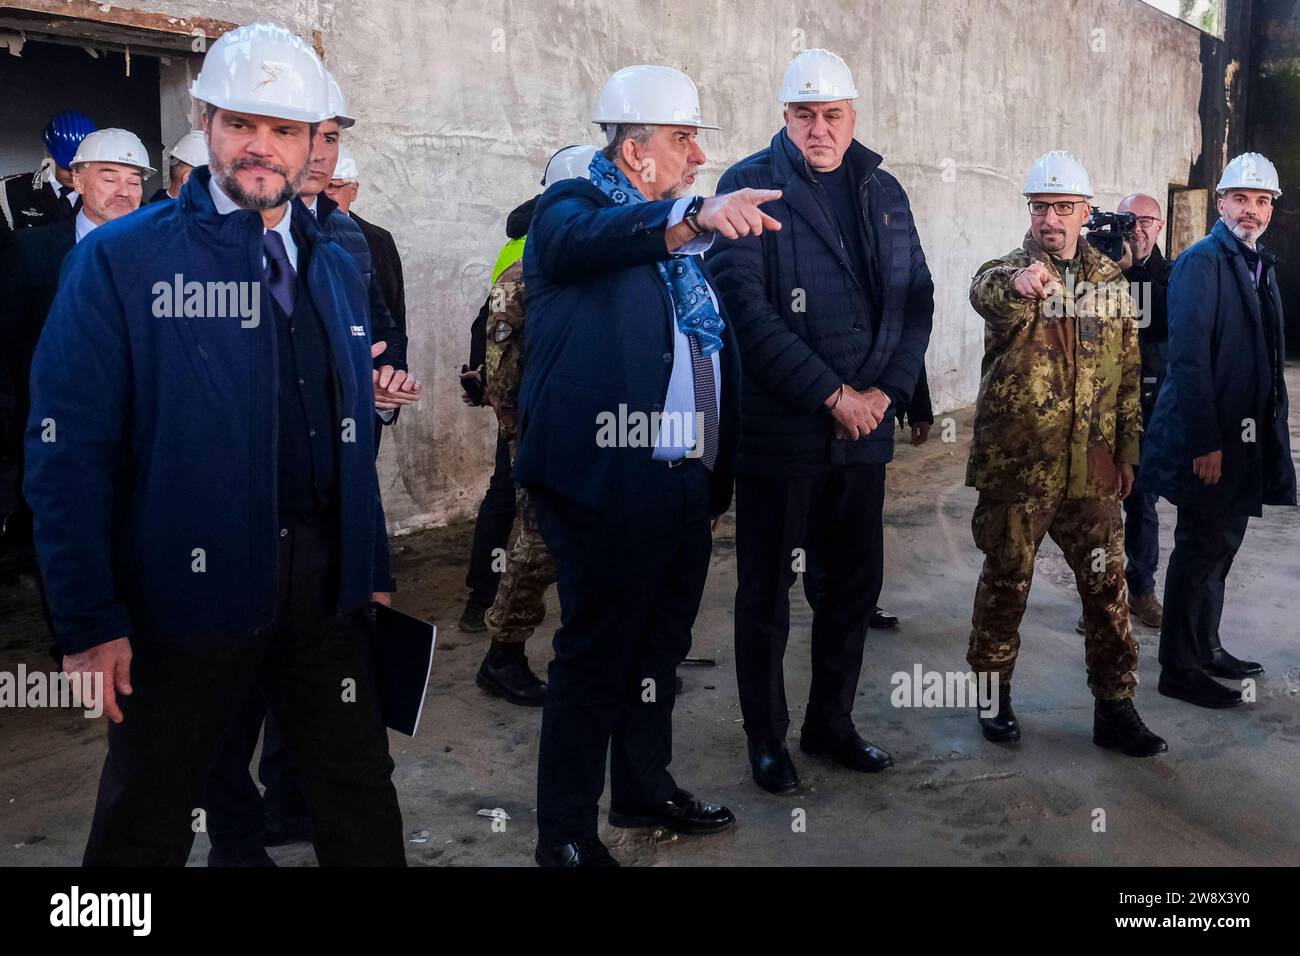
502 331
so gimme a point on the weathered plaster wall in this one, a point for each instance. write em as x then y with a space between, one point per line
460 104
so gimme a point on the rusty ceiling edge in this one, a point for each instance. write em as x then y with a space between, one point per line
140 19
123 16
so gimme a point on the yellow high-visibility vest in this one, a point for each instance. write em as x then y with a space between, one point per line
511 253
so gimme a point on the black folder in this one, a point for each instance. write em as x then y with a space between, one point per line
403 658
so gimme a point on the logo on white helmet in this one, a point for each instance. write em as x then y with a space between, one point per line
272 71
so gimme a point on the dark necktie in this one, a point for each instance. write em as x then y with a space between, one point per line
278 274
705 399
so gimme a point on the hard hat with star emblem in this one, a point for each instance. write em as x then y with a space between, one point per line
114 146
817 76
1058 172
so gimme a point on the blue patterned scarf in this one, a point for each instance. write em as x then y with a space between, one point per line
687 287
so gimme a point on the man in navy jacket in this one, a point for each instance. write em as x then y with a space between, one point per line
1218 446
201 471
240 818
833 316
627 417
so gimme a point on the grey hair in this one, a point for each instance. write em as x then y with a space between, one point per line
618 134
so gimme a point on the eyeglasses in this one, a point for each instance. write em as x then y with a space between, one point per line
1146 222
1062 207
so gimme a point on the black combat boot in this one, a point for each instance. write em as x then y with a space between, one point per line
505 673
1116 724
1002 727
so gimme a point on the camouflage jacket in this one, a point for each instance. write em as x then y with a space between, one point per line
1058 404
504 363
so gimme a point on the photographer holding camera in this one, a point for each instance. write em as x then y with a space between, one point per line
1128 237
1147 271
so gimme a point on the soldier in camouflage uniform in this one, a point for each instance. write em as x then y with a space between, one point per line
1057 425
520 603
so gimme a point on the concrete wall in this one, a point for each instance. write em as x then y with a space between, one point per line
460 103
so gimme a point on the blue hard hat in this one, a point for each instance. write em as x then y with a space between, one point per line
64 134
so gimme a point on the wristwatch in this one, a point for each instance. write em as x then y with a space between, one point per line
692 210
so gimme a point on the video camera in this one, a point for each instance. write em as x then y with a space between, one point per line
1108 231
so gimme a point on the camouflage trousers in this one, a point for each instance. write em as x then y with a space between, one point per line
520 603
1090 532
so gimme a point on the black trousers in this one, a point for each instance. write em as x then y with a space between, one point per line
317 671
842 510
1205 545
238 812
629 587
1141 538
496 516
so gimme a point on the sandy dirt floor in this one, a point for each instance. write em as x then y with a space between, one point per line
1227 792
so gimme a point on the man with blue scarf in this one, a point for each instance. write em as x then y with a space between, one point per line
626 431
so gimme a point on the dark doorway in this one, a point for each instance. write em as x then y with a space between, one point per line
50 77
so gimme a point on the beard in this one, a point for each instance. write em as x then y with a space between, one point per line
226 178
1247 232
1052 241
680 189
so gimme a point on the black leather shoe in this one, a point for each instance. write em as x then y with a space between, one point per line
851 751
471 622
882 620
681 813
1197 687
589 852
508 675
1002 727
772 767
1116 724
1223 664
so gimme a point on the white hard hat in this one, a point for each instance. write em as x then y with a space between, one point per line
338 105
569 163
191 149
346 167
817 76
1250 171
114 146
650 95
265 70
1058 172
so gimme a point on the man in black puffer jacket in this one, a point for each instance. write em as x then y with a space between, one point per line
833 315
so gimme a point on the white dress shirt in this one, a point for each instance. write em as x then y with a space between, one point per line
53 180
225 206
84 225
